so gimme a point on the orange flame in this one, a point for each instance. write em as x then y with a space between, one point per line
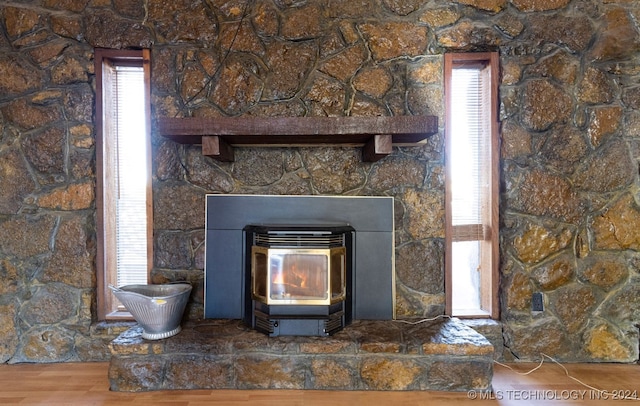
278 279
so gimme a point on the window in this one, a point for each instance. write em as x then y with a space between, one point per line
471 187
123 186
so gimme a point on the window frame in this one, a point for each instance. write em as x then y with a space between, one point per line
490 281
106 273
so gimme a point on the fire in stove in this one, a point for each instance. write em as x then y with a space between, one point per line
300 279
298 276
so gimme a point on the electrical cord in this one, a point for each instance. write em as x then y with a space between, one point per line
599 391
413 323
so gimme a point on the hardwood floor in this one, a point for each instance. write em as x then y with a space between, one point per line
86 384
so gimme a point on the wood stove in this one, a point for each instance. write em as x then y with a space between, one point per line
370 290
298 278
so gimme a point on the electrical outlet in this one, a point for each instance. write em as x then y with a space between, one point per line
537 304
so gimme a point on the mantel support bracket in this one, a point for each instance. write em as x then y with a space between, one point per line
377 148
215 147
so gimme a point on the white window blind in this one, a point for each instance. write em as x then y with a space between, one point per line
128 137
470 163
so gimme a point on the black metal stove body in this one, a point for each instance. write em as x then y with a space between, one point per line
298 278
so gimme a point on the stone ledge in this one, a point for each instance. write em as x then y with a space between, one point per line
367 355
492 331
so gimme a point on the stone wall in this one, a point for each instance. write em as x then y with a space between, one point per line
570 149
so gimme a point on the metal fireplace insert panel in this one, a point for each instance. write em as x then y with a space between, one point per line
373 280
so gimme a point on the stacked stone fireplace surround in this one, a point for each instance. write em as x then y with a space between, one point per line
570 134
374 352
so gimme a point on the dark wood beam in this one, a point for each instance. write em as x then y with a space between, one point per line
221 133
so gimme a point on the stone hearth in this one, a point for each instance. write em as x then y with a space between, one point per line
443 355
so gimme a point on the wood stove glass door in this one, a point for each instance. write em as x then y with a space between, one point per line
292 276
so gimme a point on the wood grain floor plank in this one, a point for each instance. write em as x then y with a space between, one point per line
87 384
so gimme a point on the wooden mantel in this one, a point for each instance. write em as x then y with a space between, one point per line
377 134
